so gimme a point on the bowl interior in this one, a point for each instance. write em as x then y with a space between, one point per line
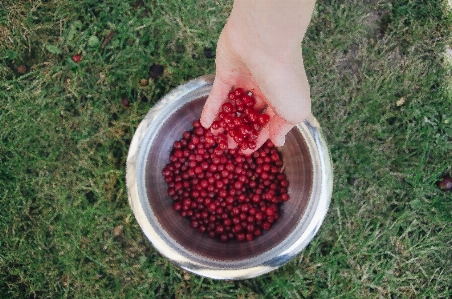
298 168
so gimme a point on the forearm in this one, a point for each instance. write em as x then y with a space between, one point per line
278 26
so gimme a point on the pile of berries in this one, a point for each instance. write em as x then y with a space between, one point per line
224 193
240 120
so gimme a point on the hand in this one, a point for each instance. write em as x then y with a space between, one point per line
275 76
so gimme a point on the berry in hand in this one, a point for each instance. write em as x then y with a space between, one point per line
240 120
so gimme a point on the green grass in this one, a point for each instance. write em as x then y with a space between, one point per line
381 89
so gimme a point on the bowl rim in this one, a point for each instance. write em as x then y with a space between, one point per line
283 252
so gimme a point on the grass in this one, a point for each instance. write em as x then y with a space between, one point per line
381 89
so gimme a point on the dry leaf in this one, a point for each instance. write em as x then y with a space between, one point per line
117 231
401 101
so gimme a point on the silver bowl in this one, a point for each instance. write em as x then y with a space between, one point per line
307 166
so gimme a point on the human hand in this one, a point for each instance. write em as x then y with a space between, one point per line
249 59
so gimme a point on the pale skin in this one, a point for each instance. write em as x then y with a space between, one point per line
259 49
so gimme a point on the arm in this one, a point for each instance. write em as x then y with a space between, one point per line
260 49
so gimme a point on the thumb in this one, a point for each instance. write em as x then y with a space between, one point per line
278 129
214 101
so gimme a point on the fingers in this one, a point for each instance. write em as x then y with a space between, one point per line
264 134
278 129
275 130
217 131
216 98
231 143
261 104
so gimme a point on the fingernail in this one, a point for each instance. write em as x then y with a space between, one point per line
279 141
204 123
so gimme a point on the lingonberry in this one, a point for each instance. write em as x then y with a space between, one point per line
22 69
216 125
239 91
125 102
228 107
224 238
76 58
263 119
240 236
249 236
248 100
223 193
445 183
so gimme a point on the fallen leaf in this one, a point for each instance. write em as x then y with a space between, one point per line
401 101
186 276
117 231
107 39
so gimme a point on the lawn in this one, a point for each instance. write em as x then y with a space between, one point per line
381 88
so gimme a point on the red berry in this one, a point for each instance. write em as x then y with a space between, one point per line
253 136
240 236
446 183
239 91
177 206
22 69
263 119
249 236
216 125
219 229
228 118
76 58
212 207
257 127
125 102
248 101
266 225
239 104
194 224
251 145
238 137
227 107
245 130
253 116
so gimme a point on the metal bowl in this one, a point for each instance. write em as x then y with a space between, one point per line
307 166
